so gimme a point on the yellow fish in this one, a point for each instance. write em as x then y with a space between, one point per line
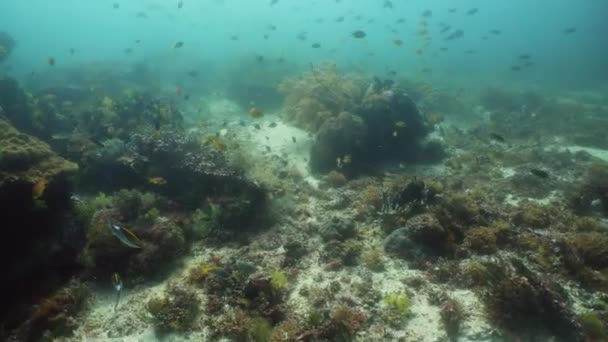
38 188
157 180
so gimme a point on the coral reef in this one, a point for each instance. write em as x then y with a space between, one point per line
318 95
40 239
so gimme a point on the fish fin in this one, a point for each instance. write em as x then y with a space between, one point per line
132 236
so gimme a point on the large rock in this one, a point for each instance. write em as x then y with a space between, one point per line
341 137
394 126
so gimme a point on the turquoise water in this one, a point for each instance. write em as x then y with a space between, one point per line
100 33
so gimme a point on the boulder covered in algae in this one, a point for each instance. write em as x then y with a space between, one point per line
27 159
38 245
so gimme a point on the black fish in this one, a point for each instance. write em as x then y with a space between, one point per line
274 2
180 4
178 45
339 19
272 125
388 4
452 10
455 35
293 139
427 13
446 29
497 137
193 73
116 5
302 36
359 34
257 126
540 173
316 45
496 32
569 30
515 68
524 56
472 11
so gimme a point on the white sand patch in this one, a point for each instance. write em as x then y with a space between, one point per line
596 152
283 139
475 325
507 172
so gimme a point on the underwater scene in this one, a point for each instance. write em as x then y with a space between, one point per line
304 170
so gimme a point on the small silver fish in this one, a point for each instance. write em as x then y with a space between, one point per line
117 283
121 234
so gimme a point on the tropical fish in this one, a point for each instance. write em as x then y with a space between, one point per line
455 35
255 113
539 173
497 137
124 235
569 30
359 34
38 188
157 180
117 283
178 45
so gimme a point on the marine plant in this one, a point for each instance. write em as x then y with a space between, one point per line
175 311
485 240
259 330
452 315
278 280
201 223
595 328
396 306
592 248
344 322
372 259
